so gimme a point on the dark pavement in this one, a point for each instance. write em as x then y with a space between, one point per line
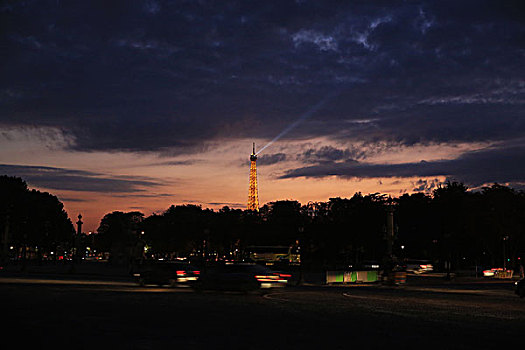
86 312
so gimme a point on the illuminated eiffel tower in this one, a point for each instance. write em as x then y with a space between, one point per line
253 193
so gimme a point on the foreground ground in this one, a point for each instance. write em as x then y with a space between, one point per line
92 313
84 312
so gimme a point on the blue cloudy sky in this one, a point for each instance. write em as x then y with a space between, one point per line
139 104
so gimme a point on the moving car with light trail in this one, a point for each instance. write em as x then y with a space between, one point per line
419 266
170 273
241 277
491 272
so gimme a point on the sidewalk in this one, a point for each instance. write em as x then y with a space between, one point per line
66 268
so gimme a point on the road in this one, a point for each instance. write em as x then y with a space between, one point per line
89 313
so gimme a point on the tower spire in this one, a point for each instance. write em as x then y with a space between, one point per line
253 192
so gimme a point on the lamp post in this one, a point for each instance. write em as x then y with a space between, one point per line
5 239
389 231
75 242
505 240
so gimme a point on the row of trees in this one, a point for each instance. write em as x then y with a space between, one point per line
469 228
31 222
486 227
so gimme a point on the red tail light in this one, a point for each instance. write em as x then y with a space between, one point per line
197 272
282 275
263 278
181 273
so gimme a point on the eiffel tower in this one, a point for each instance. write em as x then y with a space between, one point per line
253 193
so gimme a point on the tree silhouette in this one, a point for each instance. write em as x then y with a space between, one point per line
119 233
417 231
30 218
454 224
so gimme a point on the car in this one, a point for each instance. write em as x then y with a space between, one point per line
167 273
240 277
491 272
419 266
520 288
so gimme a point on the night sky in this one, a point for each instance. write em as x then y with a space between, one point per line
136 105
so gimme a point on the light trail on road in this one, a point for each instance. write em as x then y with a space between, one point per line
19 280
88 285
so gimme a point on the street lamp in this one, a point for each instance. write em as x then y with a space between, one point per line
505 240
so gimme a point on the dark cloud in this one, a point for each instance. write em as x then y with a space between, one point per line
329 154
71 199
268 159
175 162
143 195
169 77
229 204
474 168
77 180
424 185
215 204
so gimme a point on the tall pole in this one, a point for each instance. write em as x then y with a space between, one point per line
76 237
388 276
79 224
389 231
5 240
505 239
